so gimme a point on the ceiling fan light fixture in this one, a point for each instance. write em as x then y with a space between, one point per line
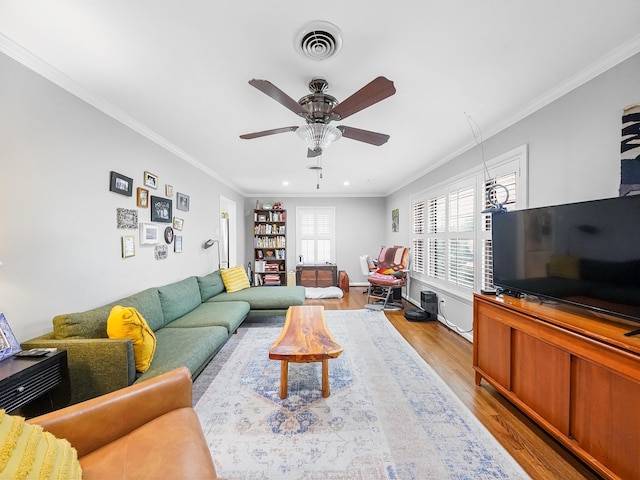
318 136
318 40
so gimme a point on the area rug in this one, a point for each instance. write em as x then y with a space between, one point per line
389 416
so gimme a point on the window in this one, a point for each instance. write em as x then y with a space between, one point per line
451 236
316 234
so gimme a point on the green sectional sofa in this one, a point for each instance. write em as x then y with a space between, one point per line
191 319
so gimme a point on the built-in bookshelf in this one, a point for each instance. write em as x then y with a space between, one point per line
269 247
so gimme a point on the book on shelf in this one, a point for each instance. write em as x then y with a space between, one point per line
260 266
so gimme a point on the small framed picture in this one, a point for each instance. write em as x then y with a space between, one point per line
161 252
121 184
128 246
168 235
168 190
182 202
142 199
178 223
177 244
149 234
262 218
150 180
161 210
127 218
8 344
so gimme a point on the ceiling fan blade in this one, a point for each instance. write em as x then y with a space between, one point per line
365 136
278 95
371 93
264 133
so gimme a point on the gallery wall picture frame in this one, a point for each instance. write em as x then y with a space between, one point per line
182 202
121 184
178 223
127 218
177 244
150 180
168 190
8 343
395 220
161 209
161 252
128 246
168 235
142 198
149 234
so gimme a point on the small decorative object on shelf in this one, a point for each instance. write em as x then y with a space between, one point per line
269 245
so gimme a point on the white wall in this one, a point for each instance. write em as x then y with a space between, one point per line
59 242
361 225
574 155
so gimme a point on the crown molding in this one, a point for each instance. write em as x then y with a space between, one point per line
607 62
42 68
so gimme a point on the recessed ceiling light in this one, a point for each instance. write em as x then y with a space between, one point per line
346 183
285 183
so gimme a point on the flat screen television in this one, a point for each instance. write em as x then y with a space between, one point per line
586 254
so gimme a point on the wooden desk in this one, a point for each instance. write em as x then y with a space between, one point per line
305 338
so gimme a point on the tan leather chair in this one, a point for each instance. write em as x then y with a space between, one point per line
146 431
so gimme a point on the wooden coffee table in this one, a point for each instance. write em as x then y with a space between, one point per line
305 338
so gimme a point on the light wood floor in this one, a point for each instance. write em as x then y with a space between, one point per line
451 356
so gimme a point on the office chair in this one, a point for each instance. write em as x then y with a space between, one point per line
391 273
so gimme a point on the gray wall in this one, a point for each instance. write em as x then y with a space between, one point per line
574 155
61 247
59 242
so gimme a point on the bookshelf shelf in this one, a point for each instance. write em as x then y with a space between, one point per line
269 247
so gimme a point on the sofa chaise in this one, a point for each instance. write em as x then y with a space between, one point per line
191 320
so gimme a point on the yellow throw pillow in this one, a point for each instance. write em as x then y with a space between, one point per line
27 451
234 279
126 322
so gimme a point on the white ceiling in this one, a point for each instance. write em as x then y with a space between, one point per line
177 71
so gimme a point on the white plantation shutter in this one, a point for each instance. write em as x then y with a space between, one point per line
455 237
417 243
508 180
316 233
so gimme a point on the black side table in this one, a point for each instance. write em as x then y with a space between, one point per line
31 386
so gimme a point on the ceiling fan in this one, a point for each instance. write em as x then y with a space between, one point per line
319 108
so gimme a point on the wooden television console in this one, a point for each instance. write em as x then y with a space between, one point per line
569 369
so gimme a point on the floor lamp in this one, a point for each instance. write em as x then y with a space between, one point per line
209 243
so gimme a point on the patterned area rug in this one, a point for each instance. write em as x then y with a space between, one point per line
389 416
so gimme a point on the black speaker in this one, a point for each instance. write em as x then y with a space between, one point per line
429 303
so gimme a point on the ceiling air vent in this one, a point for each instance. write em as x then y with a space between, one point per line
318 40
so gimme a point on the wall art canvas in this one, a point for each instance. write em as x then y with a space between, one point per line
630 151
162 252
395 220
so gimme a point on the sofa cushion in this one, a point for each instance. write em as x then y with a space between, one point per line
265 298
234 279
27 449
210 285
171 446
225 314
126 322
189 347
93 323
179 298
